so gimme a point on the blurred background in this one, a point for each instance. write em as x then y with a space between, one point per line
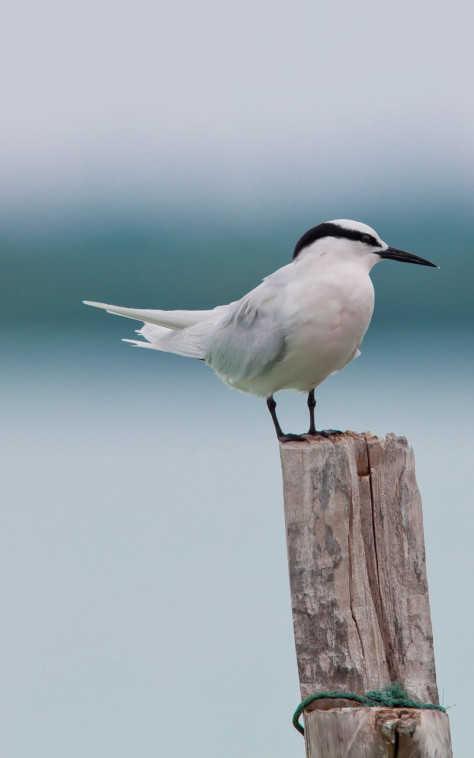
170 156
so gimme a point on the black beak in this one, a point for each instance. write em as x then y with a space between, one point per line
400 255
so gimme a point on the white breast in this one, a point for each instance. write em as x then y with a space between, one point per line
326 317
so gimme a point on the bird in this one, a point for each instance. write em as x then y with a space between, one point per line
303 323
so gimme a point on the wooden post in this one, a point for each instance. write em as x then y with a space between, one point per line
360 595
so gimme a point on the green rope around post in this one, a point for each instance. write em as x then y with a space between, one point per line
393 696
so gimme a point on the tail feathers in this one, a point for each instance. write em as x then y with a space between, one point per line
187 342
140 343
173 320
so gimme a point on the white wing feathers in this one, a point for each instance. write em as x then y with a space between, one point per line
180 332
246 342
240 340
170 319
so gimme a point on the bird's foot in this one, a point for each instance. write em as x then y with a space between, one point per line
324 433
291 438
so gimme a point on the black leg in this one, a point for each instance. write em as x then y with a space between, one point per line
312 426
271 405
311 406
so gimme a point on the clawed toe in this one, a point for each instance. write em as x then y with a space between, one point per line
291 438
325 433
271 404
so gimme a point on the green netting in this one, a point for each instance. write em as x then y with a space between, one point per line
393 696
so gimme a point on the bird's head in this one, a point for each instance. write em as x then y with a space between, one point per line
345 240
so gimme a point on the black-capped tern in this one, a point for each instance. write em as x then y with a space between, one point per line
303 323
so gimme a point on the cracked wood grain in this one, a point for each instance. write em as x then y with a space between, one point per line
356 558
377 733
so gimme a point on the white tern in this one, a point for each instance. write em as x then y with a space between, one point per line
300 325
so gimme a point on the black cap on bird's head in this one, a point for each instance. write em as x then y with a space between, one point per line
357 232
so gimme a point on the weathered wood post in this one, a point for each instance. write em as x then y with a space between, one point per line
360 596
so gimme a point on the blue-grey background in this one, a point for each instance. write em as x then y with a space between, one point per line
171 156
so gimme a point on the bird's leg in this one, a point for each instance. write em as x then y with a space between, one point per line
271 405
311 406
312 427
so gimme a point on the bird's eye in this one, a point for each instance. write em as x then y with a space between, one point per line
367 239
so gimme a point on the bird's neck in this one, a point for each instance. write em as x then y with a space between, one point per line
334 265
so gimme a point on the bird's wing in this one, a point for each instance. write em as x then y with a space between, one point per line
248 341
170 319
239 340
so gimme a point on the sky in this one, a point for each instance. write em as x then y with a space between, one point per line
248 105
